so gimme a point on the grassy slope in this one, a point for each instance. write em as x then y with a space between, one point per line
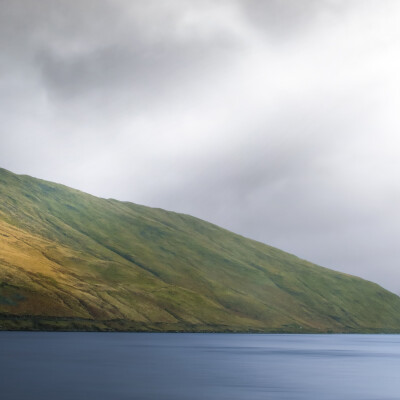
69 260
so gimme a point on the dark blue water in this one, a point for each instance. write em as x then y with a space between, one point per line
142 366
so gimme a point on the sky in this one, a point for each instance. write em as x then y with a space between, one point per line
276 119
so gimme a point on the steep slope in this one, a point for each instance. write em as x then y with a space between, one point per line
69 260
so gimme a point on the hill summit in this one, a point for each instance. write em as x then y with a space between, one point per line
72 261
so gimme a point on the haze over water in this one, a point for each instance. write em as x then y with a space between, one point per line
198 366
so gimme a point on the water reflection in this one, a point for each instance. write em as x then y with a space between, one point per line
198 366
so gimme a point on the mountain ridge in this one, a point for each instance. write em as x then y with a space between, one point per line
72 261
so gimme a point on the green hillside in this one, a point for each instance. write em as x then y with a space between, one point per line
69 260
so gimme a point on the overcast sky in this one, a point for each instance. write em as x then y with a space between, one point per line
277 119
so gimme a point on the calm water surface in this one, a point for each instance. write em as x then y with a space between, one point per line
116 366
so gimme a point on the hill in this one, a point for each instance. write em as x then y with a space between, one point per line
72 261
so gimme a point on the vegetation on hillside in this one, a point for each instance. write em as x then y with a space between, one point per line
69 260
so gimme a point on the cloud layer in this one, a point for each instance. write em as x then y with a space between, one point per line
278 120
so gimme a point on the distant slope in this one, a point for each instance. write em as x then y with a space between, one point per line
69 260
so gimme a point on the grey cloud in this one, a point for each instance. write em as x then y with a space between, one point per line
283 18
132 67
93 48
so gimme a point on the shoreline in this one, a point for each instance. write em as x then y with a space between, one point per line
24 323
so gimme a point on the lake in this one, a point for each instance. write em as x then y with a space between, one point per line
144 366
